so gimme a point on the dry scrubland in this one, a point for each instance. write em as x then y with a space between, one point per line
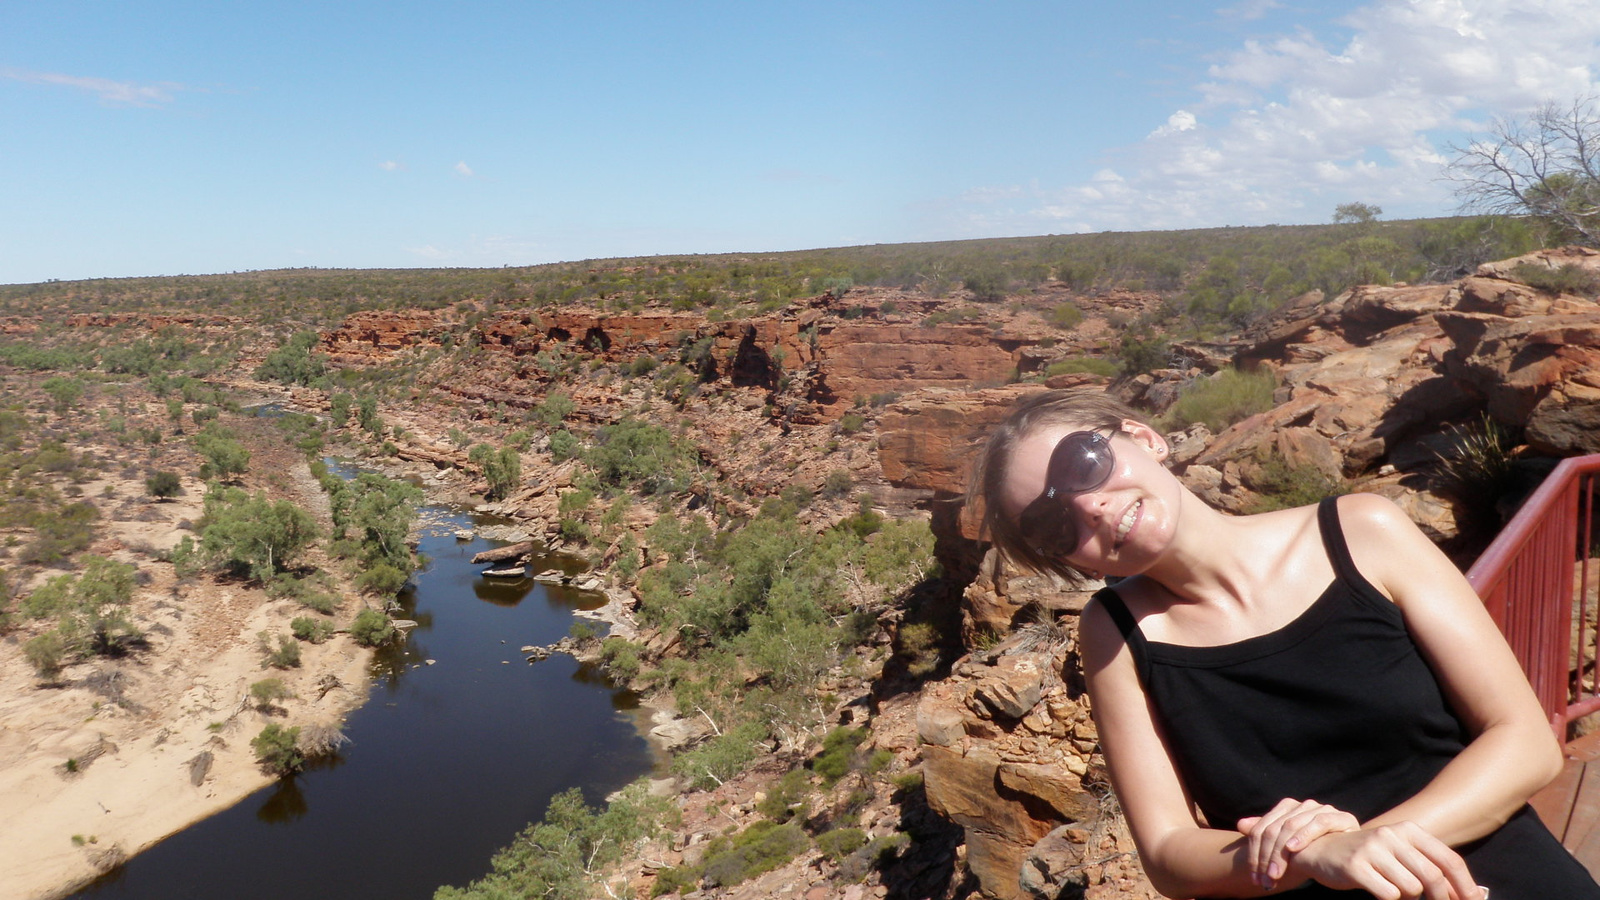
755 454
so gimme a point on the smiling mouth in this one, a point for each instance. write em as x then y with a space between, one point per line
1128 518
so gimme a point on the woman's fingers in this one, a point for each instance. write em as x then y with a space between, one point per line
1414 863
1286 829
1392 862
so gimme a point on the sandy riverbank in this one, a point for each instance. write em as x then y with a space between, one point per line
117 754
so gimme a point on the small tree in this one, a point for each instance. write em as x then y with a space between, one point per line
268 691
1356 213
253 535
276 750
371 628
1546 166
163 485
226 458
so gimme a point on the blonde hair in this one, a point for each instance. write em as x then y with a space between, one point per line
1085 409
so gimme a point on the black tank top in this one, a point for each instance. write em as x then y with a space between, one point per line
1338 706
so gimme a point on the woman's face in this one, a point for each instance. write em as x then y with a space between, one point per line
1123 524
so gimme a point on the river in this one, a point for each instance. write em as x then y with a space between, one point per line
461 744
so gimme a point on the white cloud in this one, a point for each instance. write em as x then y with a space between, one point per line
115 93
390 165
463 169
1182 120
1296 123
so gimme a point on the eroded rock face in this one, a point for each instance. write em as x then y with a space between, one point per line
1009 754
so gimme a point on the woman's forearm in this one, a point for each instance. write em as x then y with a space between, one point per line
1483 786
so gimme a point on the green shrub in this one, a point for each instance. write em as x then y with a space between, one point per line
760 848
564 445
315 631
621 657
841 842
45 653
280 651
565 854
253 536
851 423
838 753
1143 352
269 691
648 458
1222 399
371 628
163 485
294 362
554 409
786 797
1091 365
382 579
1065 316
225 457
1567 279
837 484
720 758
1282 486
276 751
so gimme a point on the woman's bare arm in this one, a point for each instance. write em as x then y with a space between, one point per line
1512 753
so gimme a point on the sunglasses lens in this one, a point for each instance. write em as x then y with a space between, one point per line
1082 461
1049 528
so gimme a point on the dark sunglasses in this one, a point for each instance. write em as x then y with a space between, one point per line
1082 461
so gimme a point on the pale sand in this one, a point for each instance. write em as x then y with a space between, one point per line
186 694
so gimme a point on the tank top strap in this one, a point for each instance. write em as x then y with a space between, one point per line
1333 541
1128 627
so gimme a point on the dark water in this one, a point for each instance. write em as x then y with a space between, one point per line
446 761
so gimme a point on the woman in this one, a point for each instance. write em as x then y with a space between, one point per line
1307 700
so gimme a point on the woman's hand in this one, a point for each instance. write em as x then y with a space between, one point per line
1390 862
1287 829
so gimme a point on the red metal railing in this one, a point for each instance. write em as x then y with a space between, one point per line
1527 579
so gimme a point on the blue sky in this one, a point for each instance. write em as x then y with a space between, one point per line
160 138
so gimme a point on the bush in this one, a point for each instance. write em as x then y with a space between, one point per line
315 631
841 842
562 856
1282 486
269 691
284 655
225 457
382 580
1091 365
1065 316
1141 353
46 653
1222 399
838 752
276 750
850 423
163 485
760 848
786 798
838 483
371 628
294 362
564 445
720 758
1568 279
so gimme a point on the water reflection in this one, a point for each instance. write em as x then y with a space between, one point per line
447 762
502 591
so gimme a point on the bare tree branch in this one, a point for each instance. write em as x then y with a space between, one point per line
1546 167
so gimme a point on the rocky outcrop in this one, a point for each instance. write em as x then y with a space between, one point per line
376 335
1010 754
